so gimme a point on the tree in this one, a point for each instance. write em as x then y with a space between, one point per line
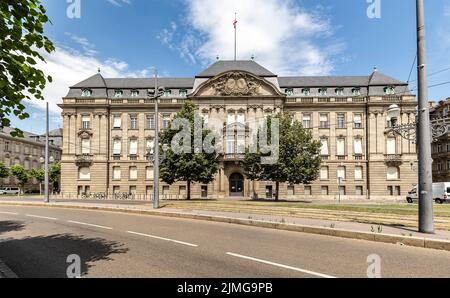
22 43
4 171
196 166
22 175
54 173
39 174
298 159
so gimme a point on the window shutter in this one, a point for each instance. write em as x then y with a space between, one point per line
133 147
358 147
340 147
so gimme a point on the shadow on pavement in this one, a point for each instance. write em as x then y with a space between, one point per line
10 226
46 256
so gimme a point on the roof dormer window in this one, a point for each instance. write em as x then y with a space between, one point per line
289 92
323 91
167 93
134 93
390 90
86 93
356 91
306 92
118 93
339 91
183 93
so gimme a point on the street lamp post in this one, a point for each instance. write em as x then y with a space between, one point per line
156 94
46 190
424 131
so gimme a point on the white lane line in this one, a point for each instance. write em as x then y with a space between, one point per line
161 238
280 265
9 213
41 217
89 225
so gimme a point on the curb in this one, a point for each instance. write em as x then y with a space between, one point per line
6 272
341 233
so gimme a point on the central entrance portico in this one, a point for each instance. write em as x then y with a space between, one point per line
236 185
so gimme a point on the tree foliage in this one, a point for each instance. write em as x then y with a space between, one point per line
39 174
4 171
22 42
22 175
54 173
196 166
299 156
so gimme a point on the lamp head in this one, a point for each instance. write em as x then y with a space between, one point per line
393 112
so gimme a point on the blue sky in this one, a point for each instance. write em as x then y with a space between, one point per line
181 37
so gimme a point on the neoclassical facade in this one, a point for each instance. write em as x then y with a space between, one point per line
109 131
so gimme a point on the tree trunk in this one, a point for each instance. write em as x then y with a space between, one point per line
188 190
277 191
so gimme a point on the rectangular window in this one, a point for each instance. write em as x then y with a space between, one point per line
86 122
231 118
117 174
231 144
150 147
324 190
117 147
358 147
291 190
391 146
166 122
341 173
166 192
134 122
240 118
340 148
117 122
133 147
306 121
85 146
182 192
358 173
325 148
324 121
133 190
151 122
324 173
358 121
204 191
397 191
341 121
390 190
240 142
150 173
308 191
359 191
133 173
342 191
116 190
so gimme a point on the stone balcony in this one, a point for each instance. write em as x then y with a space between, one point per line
84 159
393 159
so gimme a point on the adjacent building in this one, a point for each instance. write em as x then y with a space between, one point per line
28 152
441 147
109 131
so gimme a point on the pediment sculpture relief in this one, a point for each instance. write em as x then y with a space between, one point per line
236 84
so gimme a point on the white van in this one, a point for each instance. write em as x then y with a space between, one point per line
9 191
441 193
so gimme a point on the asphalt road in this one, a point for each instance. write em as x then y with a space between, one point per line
35 242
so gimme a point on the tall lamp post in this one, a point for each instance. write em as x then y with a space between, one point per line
46 190
424 131
155 94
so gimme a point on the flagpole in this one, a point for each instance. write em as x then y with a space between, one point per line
235 36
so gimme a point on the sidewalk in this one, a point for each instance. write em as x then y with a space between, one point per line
384 233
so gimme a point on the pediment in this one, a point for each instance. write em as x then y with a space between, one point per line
236 84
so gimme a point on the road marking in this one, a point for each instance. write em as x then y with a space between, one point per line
280 265
161 238
41 217
9 213
90 225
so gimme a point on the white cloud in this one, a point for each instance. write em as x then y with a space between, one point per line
69 67
281 34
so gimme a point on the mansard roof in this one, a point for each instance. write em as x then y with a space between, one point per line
241 65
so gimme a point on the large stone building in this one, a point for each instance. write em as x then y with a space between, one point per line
109 130
441 147
27 152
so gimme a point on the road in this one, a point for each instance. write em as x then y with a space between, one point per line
36 241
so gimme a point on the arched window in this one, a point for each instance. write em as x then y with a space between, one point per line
86 93
84 173
393 173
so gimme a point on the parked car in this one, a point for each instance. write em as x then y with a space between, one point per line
9 191
441 193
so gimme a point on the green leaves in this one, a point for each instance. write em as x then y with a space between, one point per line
22 175
299 156
22 41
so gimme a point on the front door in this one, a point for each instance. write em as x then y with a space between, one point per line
236 185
